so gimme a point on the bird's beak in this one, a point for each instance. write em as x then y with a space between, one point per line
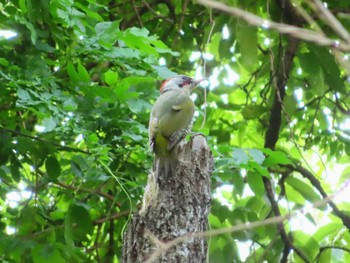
197 81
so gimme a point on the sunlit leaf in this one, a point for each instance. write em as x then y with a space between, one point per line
304 189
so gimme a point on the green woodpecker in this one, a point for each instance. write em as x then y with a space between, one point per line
171 119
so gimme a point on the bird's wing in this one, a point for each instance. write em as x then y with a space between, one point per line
152 130
181 119
171 116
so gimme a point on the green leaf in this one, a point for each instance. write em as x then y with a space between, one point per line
4 62
23 94
78 224
237 182
107 33
253 111
255 204
239 156
304 189
220 211
256 183
326 256
46 253
83 75
238 217
73 75
163 72
293 195
139 106
307 243
53 167
14 168
257 155
111 77
275 157
330 68
122 91
90 13
49 124
134 137
248 44
327 230
68 230
259 168
307 63
214 45
23 6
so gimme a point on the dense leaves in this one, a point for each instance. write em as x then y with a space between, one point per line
77 82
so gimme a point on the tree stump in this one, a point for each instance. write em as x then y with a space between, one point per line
173 207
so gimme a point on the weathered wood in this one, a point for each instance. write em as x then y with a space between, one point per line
172 207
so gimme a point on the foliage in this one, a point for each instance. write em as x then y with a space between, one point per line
77 85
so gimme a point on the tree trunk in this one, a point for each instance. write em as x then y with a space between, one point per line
172 207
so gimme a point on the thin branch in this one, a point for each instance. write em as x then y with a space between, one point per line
322 249
309 103
111 217
272 133
316 183
323 13
344 110
81 189
63 147
95 222
158 16
293 31
212 22
288 244
136 13
183 13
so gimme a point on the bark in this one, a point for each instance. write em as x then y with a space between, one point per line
173 207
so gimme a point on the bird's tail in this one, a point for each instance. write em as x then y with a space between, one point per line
164 167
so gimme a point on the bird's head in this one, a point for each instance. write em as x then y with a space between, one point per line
185 83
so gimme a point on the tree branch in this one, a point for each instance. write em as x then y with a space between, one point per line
82 189
272 133
293 31
63 147
288 245
136 13
330 247
316 183
327 16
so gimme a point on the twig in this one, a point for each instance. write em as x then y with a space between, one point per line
272 133
111 217
212 22
136 13
183 13
165 18
294 31
63 147
96 192
288 244
330 247
95 222
323 13
316 183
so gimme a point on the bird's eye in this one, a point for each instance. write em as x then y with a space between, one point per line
186 79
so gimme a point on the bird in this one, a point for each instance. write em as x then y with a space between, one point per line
171 120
